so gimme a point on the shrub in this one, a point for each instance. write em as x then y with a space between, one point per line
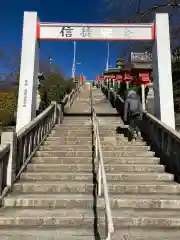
8 106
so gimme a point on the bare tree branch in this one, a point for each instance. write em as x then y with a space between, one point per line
131 11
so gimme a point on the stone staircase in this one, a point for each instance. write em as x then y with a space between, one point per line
54 197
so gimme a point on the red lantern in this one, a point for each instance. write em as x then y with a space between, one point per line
144 78
97 78
119 78
128 77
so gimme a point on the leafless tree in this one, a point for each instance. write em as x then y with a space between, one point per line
10 65
131 11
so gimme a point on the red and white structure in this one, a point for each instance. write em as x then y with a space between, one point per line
34 31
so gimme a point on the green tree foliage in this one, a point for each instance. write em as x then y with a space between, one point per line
8 105
55 88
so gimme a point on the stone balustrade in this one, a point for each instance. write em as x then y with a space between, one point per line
17 149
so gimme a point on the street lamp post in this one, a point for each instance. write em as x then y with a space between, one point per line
50 61
74 62
107 61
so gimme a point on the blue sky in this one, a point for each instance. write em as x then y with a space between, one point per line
92 55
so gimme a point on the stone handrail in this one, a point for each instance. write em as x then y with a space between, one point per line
4 155
69 98
21 146
164 140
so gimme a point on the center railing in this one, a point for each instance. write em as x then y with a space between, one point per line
101 180
17 149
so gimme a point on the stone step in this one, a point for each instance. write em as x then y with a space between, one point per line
80 110
109 127
69 141
57 176
85 140
63 153
76 123
143 201
75 130
125 148
66 147
46 233
84 147
84 218
107 134
74 139
63 160
72 134
59 153
85 176
150 201
114 123
85 160
128 153
76 118
140 233
53 187
28 217
87 168
158 187
139 176
69 201
117 142
73 127
147 218
60 168
70 138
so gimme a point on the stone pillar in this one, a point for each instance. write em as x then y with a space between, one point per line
10 138
26 110
162 72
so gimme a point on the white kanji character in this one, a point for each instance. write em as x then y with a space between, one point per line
106 32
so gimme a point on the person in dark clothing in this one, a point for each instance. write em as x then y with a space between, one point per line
133 113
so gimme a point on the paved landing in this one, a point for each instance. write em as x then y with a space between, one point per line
102 105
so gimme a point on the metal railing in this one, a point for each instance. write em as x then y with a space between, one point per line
101 173
20 147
